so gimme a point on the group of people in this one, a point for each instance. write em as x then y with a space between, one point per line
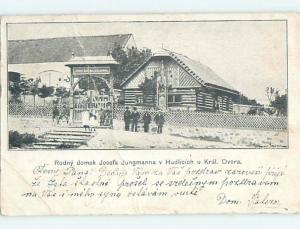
131 119
60 114
90 120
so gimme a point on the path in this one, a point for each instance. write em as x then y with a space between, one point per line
120 139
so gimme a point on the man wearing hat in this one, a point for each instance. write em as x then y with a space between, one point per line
135 115
147 121
127 117
159 120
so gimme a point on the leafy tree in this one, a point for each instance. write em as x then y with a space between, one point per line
34 87
280 104
149 87
129 61
15 91
62 92
242 99
45 92
25 87
22 87
271 94
14 86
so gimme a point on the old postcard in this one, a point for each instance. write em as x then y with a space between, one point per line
150 114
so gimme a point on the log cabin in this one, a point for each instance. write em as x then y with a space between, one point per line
187 85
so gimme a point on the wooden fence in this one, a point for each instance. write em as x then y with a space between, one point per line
214 120
176 118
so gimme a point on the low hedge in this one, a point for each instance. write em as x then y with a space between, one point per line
20 140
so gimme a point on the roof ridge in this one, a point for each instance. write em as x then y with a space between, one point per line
198 61
179 54
188 57
52 38
188 68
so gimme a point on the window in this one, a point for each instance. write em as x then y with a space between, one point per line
139 99
177 98
227 104
174 99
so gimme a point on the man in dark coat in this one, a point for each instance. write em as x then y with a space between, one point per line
102 117
65 113
147 121
135 115
159 120
127 117
55 115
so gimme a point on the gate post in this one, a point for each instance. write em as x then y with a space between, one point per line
111 81
71 100
112 108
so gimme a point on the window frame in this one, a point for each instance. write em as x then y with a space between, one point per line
174 98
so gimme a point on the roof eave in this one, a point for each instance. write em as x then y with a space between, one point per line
222 88
90 63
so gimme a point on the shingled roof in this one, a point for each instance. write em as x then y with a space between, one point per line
60 49
202 73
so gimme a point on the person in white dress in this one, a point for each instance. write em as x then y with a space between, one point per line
86 119
93 121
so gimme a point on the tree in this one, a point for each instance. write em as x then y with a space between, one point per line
45 92
129 61
25 87
271 94
34 87
280 104
15 91
149 87
14 86
61 93
242 99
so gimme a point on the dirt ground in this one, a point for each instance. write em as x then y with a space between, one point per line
112 139
172 137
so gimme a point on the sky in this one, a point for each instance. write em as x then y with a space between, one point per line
249 55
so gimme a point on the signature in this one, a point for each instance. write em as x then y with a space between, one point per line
222 199
263 199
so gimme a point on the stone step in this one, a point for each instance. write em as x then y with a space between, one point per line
103 127
65 133
42 147
66 137
69 137
50 139
56 144
73 130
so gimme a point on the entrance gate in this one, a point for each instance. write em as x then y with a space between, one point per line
92 89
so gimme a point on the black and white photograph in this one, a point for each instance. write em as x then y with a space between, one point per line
196 84
145 114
